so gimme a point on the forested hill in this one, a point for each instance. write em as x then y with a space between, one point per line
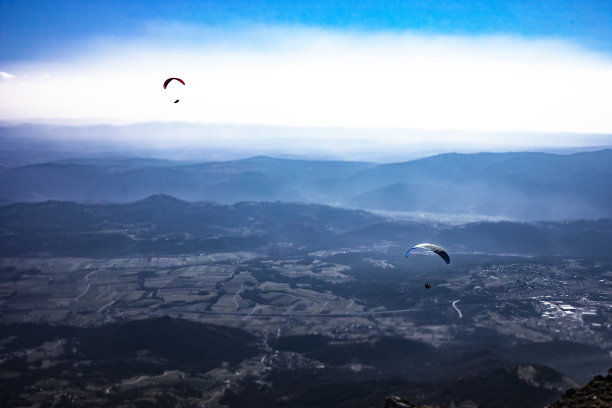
165 225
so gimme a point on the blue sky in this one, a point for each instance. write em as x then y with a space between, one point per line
32 29
543 66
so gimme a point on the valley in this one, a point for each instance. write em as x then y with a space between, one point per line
357 312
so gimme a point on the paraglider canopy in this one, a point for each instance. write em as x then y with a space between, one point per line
167 81
434 248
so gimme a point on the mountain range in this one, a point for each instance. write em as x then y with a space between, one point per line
512 186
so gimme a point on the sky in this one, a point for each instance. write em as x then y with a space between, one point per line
483 66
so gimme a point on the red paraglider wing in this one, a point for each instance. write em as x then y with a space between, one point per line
170 79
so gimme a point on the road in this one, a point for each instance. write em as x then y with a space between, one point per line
88 285
457 309
237 293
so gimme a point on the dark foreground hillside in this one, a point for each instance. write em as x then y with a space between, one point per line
108 365
596 394
172 362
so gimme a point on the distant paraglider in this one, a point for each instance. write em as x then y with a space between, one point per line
167 81
434 248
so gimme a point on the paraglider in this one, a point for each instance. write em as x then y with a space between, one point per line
167 81
434 248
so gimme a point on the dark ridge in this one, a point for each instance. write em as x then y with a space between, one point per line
596 394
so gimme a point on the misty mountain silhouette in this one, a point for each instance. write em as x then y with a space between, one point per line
523 186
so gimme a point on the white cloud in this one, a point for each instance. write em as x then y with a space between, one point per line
6 75
301 77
